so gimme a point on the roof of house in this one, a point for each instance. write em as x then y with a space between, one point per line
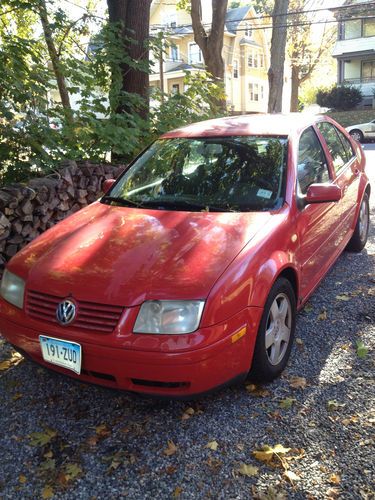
234 17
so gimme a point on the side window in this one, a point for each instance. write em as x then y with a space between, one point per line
347 146
335 145
312 166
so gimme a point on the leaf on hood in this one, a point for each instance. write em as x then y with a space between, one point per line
212 445
171 449
248 470
42 438
297 382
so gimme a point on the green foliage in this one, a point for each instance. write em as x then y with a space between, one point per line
340 98
191 106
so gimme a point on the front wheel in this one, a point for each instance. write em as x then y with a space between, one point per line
275 334
357 135
359 238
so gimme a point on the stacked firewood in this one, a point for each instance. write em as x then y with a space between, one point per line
28 210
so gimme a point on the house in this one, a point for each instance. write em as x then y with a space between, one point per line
245 53
355 46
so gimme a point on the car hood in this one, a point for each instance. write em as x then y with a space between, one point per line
123 256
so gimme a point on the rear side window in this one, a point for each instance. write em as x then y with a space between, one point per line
312 166
347 146
340 154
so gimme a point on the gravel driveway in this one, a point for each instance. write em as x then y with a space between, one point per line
62 439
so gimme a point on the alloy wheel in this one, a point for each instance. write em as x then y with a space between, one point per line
278 328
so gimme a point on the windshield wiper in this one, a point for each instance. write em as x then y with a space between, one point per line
125 202
186 205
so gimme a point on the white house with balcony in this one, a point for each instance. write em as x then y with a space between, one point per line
355 46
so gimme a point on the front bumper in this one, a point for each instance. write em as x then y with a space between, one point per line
173 373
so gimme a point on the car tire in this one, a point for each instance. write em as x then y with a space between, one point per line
357 135
359 238
275 334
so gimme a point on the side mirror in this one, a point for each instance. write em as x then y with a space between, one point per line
107 184
322 193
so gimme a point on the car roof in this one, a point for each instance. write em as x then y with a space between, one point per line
256 124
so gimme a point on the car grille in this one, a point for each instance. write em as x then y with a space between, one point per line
90 315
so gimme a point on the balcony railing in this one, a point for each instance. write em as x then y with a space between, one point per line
357 81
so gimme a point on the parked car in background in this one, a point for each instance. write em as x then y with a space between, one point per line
188 273
362 131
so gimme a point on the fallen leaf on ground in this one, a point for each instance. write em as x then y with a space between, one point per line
42 438
171 449
362 350
14 360
342 297
188 413
334 479
257 390
350 420
299 341
291 476
322 315
47 492
102 431
22 479
297 382
248 470
333 405
308 307
212 445
177 492
266 453
287 403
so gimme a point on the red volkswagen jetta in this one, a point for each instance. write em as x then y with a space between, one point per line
187 274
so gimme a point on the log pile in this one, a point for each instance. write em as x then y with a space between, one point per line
28 210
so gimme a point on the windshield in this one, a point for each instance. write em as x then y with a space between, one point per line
212 174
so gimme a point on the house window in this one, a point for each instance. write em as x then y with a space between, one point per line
173 51
250 60
195 54
368 71
171 20
352 29
175 88
369 27
254 91
235 68
261 60
248 30
255 59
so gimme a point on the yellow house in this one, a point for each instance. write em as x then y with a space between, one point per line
245 53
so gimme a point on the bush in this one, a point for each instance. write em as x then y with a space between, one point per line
340 98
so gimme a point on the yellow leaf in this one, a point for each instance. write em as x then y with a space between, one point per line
297 382
42 438
72 471
17 396
334 405
212 445
291 476
189 412
177 492
171 449
102 431
257 390
267 452
47 492
248 470
4 365
299 341
334 479
22 479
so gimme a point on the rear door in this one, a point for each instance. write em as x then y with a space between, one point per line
316 223
347 175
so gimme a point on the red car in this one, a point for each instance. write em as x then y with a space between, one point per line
187 274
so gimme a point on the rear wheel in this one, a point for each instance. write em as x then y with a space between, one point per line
357 135
359 238
275 334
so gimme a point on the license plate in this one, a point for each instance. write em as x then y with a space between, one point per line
62 353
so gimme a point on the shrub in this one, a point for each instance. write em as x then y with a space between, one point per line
340 98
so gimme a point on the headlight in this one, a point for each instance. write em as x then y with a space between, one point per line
12 289
169 316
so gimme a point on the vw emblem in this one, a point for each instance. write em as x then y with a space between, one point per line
66 312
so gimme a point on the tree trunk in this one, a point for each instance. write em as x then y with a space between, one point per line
278 42
135 23
211 44
55 60
295 89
